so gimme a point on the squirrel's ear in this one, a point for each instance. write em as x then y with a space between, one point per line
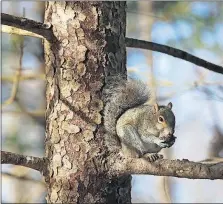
156 107
170 105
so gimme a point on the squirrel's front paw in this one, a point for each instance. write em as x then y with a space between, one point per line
163 144
151 157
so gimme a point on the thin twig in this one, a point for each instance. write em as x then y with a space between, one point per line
213 160
23 178
18 31
15 87
37 113
36 163
16 79
29 26
164 190
130 42
24 77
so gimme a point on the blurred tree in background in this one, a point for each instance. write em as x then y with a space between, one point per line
23 105
196 93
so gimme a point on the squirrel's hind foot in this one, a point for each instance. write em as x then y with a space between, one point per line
151 157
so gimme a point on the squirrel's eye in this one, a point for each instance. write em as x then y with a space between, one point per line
161 119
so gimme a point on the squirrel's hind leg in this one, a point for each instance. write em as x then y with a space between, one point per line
151 157
128 152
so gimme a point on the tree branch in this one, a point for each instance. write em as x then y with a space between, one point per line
23 178
36 163
24 26
130 42
176 168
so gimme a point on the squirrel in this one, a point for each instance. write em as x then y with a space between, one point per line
141 129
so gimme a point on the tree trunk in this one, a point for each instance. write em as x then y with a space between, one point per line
89 45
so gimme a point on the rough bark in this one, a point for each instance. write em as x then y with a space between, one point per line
89 45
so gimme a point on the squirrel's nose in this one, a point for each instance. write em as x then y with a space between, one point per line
168 132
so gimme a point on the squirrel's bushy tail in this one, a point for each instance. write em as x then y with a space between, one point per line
121 95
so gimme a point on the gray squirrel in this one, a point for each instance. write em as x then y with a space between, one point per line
142 129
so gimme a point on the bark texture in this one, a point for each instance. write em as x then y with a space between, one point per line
89 44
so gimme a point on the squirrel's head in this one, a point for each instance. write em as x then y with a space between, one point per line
165 120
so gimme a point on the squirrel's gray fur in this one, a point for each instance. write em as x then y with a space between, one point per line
141 129
120 95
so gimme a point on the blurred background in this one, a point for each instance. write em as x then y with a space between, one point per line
196 94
